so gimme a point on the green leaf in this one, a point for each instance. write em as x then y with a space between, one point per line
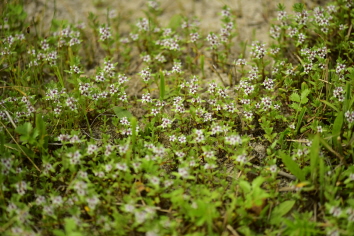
336 130
299 119
322 180
2 143
133 123
246 187
41 127
175 22
349 102
329 148
192 111
122 112
304 100
314 158
58 232
281 210
295 106
281 7
202 65
347 96
28 134
337 125
162 85
70 225
24 129
292 166
74 234
257 182
304 95
298 7
57 73
295 97
330 105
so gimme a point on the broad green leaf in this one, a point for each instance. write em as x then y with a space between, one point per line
257 182
40 125
281 210
58 232
295 97
246 187
295 106
24 129
304 100
122 112
70 225
175 22
304 95
245 230
292 166
74 234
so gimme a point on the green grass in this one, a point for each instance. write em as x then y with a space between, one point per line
109 132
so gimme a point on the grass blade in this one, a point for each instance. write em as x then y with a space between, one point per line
299 119
314 157
330 105
292 166
162 86
336 131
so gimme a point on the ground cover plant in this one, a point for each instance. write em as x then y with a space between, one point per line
113 132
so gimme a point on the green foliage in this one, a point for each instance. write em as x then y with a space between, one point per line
254 194
121 112
198 142
301 224
280 211
28 134
292 166
70 229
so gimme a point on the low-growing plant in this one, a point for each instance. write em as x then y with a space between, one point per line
146 143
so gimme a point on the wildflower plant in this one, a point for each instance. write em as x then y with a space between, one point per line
108 131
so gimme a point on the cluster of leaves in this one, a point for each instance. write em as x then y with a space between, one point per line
268 150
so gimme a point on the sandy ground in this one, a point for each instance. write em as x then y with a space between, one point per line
252 15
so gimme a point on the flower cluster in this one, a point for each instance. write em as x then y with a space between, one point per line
349 116
258 50
105 33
